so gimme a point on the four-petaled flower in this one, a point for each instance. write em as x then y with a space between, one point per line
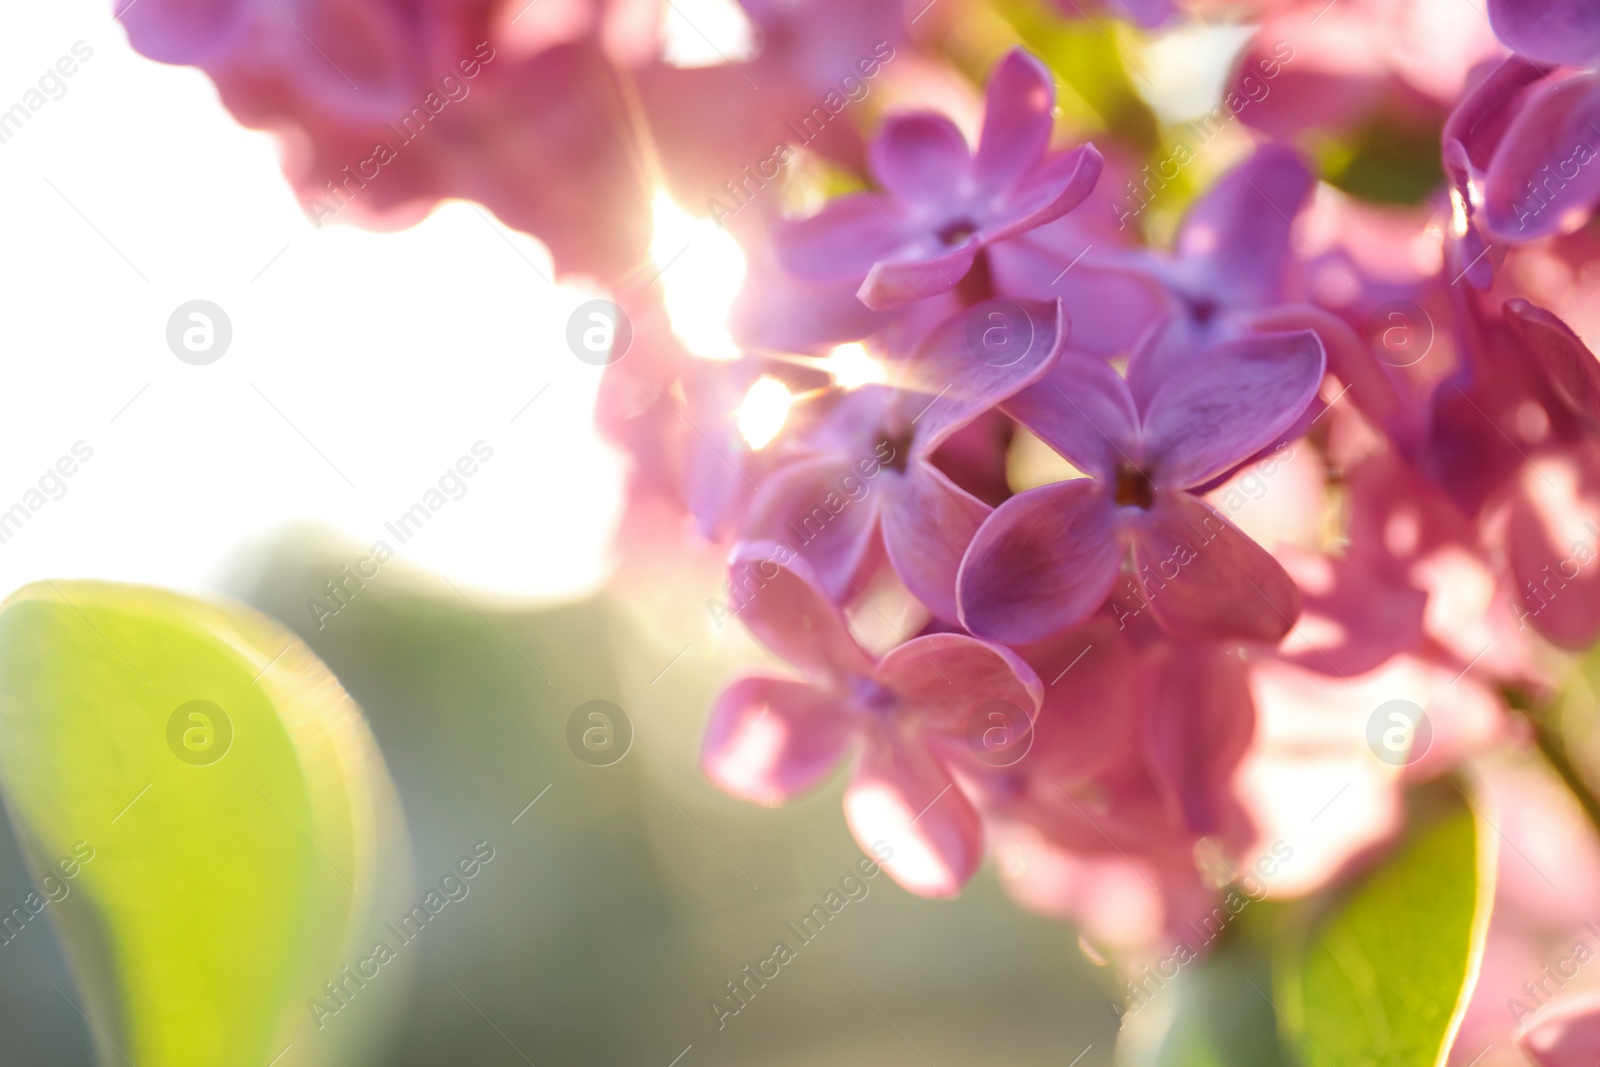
1047 558
881 442
943 203
908 713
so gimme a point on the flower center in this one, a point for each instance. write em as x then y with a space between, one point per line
872 697
894 449
1134 488
956 232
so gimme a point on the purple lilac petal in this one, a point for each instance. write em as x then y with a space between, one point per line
901 794
1204 580
1197 726
1554 144
1469 256
1110 298
920 157
947 384
1081 409
945 677
1166 348
1484 114
1556 31
784 606
842 241
892 282
182 31
1227 404
771 739
806 505
928 522
1017 121
1049 193
1044 561
1235 243
1571 368
1471 134
1372 386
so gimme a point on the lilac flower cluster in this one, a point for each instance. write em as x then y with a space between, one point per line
1015 420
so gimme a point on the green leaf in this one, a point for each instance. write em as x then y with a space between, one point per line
1096 90
216 862
1384 980
1222 1016
1388 162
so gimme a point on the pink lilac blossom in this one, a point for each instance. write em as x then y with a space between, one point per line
1049 557
770 739
1521 147
943 203
561 115
1206 504
890 434
1569 1036
1311 66
1233 678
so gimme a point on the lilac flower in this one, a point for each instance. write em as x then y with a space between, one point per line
871 468
1566 1036
1147 13
771 739
1047 558
1232 258
942 204
1463 481
1471 136
1544 177
1534 374
1233 272
1523 148
1565 32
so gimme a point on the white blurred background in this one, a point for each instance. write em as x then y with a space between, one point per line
362 366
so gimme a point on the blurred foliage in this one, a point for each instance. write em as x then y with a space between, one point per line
625 897
1388 162
1383 978
1225 1014
208 865
617 906
1083 55
42 1026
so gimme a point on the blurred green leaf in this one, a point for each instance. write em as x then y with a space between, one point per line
1383 981
217 862
1222 1016
1093 72
1388 162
